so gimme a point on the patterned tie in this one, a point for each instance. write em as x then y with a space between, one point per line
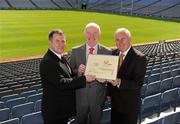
66 63
120 60
91 50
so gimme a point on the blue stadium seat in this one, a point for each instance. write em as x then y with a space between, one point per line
19 110
7 97
165 68
156 70
32 118
150 105
168 99
11 121
166 84
28 93
38 105
154 77
176 82
156 66
152 88
106 117
35 97
176 72
12 102
165 74
174 66
4 114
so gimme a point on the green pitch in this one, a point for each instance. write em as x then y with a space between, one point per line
24 32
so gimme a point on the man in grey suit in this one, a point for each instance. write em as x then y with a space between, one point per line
89 100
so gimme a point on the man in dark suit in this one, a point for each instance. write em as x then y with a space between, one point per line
125 91
58 101
89 100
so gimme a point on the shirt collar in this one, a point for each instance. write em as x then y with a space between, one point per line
126 52
95 47
58 55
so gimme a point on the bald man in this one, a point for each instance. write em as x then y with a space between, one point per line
125 91
89 100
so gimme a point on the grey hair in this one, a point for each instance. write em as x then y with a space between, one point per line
92 24
124 30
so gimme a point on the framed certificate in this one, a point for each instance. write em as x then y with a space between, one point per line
102 66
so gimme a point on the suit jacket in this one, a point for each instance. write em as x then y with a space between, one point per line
58 88
126 98
96 89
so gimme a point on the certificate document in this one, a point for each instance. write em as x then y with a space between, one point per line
102 66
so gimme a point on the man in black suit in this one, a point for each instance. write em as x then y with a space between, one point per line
125 91
58 102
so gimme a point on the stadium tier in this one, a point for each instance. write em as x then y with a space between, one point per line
155 8
21 91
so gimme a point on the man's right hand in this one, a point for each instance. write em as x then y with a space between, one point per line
81 69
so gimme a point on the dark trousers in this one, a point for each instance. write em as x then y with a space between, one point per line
56 121
123 118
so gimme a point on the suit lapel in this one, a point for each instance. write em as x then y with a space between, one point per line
99 50
64 68
83 54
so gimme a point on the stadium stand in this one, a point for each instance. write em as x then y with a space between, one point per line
155 8
4 5
20 87
45 4
21 4
63 4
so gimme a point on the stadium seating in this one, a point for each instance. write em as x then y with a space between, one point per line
168 99
150 105
155 8
21 4
7 97
16 101
21 86
166 84
4 5
19 110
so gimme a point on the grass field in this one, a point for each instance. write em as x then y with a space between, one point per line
24 33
